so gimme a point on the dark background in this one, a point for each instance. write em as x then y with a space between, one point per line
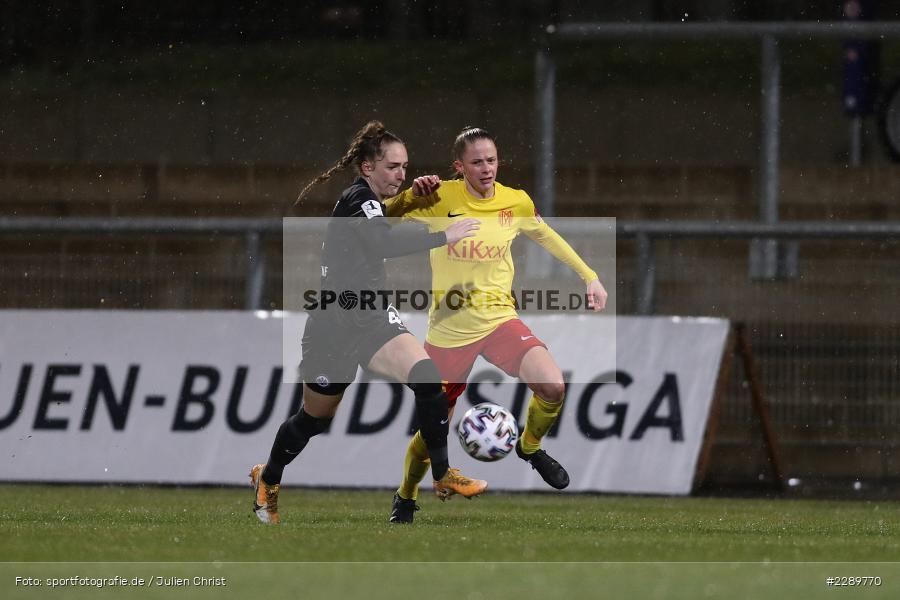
289 82
46 30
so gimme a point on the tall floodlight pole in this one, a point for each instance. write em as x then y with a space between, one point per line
545 130
766 251
539 263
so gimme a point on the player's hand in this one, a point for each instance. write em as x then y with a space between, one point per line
425 185
596 295
462 229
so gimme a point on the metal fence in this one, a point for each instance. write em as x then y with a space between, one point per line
765 255
827 341
767 33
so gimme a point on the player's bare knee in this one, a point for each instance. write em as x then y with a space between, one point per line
550 391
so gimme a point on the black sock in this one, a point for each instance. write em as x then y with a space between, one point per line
431 413
291 439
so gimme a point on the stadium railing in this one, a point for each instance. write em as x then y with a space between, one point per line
645 233
768 34
766 255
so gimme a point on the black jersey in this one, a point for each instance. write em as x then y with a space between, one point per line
359 238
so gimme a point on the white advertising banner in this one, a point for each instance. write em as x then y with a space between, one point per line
196 397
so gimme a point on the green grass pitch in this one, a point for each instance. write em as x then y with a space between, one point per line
339 544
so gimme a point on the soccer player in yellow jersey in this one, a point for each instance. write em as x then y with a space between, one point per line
481 268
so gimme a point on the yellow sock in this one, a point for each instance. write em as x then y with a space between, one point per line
541 417
415 467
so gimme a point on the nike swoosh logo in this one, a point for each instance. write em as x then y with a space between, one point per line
451 215
444 422
526 337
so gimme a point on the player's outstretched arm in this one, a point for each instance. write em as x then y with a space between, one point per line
421 195
462 229
425 185
544 235
553 243
385 241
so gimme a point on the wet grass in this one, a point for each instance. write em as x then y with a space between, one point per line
66 523
205 543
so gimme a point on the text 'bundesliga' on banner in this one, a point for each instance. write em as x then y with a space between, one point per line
124 396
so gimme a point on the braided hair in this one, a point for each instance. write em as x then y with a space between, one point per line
367 145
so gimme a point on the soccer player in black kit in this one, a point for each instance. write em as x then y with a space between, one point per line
344 335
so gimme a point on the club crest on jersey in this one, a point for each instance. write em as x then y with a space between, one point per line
322 380
506 218
372 209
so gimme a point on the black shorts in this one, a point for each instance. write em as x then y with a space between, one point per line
334 346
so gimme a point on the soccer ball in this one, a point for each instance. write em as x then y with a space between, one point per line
488 432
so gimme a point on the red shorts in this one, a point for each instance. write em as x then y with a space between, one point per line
505 347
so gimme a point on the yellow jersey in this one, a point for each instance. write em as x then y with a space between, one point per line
472 278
